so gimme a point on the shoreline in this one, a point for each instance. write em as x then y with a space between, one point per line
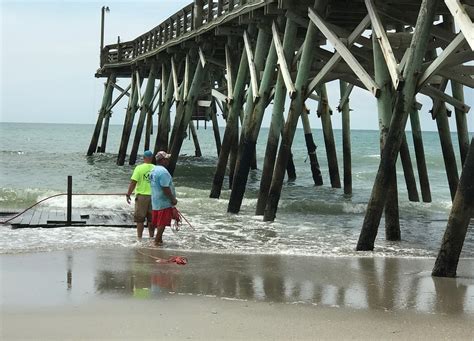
112 293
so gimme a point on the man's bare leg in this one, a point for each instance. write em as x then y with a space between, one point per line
159 235
151 228
140 227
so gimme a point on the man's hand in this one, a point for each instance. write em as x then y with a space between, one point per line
129 200
174 201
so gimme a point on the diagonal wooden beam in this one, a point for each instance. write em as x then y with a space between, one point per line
282 62
186 77
124 92
202 58
379 30
334 60
230 81
140 99
253 71
344 52
438 63
440 95
452 75
462 19
345 97
174 74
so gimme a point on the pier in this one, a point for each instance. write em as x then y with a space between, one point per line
238 56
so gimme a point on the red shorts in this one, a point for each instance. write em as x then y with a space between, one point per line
162 217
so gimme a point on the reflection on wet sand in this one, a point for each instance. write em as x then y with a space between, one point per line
360 283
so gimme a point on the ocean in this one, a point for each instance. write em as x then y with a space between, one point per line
311 221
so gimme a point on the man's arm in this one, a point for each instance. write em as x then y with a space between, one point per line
131 188
170 195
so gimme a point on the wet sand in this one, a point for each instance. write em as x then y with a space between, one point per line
126 294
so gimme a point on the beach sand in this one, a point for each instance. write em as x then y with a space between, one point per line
126 294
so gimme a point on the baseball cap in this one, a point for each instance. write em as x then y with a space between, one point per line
148 153
162 155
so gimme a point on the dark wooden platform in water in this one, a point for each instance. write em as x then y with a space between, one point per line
48 218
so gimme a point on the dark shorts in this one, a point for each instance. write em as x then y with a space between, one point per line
162 217
142 208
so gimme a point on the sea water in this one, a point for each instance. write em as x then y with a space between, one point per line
37 158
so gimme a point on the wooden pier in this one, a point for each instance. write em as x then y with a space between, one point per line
50 218
238 56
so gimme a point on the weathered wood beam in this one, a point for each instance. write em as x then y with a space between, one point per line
458 222
282 61
462 19
344 52
230 139
145 108
229 76
132 108
174 74
104 115
122 90
124 93
336 57
253 72
346 90
277 121
441 59
387 51
403 105
296 107
436 93
253 119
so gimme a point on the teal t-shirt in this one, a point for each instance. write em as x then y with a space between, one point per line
160 177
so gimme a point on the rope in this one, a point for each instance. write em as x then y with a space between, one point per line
172 259
53 196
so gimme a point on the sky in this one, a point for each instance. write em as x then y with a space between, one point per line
50 52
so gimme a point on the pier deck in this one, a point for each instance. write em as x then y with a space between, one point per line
47 218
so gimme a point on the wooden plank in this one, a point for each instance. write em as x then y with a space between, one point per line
250 60
462 19
329 66
439 62
379 30
282 61
230 81
345 53
175 80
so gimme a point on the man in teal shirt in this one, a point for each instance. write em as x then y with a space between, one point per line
163 195
140 183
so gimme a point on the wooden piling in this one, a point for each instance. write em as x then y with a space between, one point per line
311 148
346 140
458 222
385 108
324 113
197 147
162 135
186 109
144 110
253 118
420 156
461 121
447 148
105 130
408 171
230 138
277 121
128 123
106 100
403 104
215 127
296 107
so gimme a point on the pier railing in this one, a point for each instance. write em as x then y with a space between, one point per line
199 14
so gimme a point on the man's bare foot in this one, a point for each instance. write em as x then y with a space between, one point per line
158 243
